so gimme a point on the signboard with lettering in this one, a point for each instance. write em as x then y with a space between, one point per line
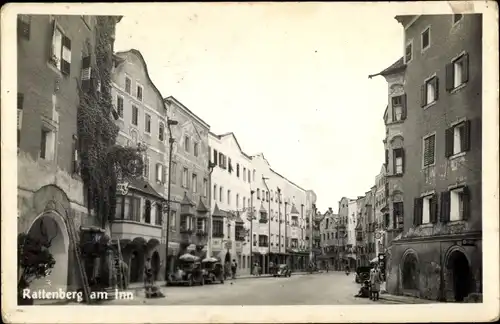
122 188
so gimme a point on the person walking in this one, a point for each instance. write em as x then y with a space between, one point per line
234 266
375 280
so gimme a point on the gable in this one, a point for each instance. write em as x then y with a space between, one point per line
190 129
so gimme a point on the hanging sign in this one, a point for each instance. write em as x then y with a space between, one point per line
122 188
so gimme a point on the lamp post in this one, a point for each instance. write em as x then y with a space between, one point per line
171 141
211 167
269 223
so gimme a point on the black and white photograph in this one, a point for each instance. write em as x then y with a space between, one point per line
236 158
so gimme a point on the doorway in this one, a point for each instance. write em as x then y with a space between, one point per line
461 276
410 272
134 266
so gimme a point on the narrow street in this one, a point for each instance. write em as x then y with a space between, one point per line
333 288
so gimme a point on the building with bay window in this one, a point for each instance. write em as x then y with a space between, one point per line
190 195
142 116
438 254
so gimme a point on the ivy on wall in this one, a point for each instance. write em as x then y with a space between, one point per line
103 162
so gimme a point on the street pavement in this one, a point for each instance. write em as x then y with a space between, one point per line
332 288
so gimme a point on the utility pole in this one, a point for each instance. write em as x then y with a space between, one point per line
251 229
171 142
211 167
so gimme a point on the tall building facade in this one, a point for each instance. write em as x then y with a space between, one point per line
50 52
351 232
189 182
439 253
142 117
329 230
381 222
231 200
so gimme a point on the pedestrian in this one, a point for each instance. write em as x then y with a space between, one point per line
255 269
148 273
375 280
364 292
327 267
234 266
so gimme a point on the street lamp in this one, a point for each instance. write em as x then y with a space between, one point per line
269 221
211 166
171 141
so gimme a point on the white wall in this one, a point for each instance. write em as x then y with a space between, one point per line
352 222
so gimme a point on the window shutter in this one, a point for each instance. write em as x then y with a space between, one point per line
466 203
164 176
423 95
433 209
436 88
466 136
449 137
465 71
416 216
85 73
449 77
445 206
402 150
215 157
52 37
66 55
403 106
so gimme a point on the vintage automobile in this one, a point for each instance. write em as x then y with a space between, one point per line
362 274
283 271
213 270
189 272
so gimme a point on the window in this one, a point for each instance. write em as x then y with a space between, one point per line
457 18
408 52
258 193
139 92
244 174
429 148
159 173
173 177
237 201
195 149
147 211
161 131
253 175
135 116
159 214
215 157
398 104
146 167
425 210
455 204
221 190
386 159
458 138
194 182
44 143
215 192
426 38
398 160
128 85
24 26
229 197
218 227
20 105
237 170
267 195
205 187
248 176
173 219
147 123
119 106
457 72
61 50
186 144
429 91
398 214
185 177
132 209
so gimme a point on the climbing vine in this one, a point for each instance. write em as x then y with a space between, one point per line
103 163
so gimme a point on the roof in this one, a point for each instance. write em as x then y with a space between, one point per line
296 185
217 212
235 139
141 58
397 66
201 207
143 186
294 210
178 103
262 209
186 201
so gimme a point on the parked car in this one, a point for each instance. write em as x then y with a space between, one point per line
189 272
362 274
213 270
283 271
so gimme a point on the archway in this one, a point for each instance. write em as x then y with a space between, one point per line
459 275
410 273
155 264
135 266
228 257
50 227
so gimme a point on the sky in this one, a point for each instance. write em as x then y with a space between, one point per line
291 81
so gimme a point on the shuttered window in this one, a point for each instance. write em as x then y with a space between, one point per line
429 91
429 150
457 72
85 74
457 138
216 157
